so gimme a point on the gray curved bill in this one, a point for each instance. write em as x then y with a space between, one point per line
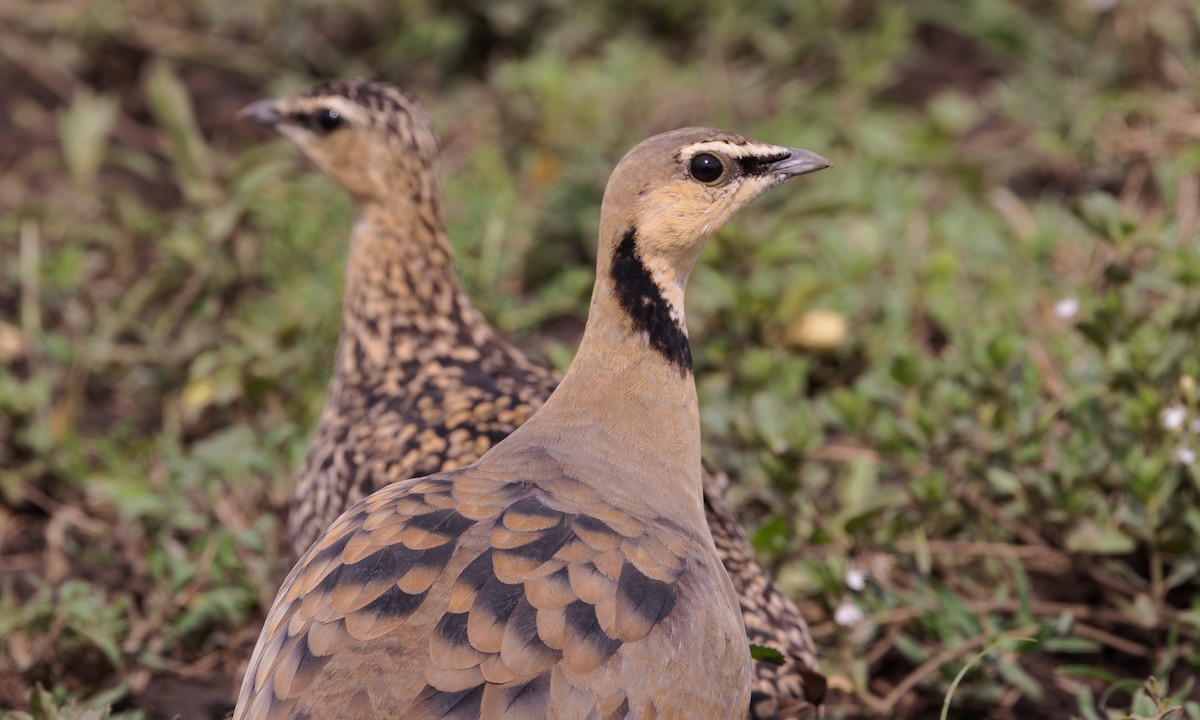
262 112
800 162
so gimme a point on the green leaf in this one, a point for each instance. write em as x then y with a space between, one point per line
1087 536
766 654
191 157
1023 681
1085 700
84 129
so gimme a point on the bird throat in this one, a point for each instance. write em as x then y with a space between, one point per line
648 309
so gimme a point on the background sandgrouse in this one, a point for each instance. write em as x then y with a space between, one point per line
422 383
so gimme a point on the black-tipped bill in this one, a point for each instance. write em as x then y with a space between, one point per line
262 112
799 162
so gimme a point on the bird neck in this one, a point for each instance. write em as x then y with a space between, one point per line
402 300
627 405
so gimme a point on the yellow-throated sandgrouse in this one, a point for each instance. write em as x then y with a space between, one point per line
423 384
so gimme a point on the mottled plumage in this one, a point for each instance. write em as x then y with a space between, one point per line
422 383
784 692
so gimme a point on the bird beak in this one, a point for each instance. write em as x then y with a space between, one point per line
262 112
799 162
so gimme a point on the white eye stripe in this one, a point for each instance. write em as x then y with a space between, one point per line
732 151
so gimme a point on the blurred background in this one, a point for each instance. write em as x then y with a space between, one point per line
955 375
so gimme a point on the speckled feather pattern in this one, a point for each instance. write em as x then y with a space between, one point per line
408 397
788 691
422 384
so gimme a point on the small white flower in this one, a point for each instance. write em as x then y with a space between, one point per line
1173 417
856 578
1194 425
847 614
1185 455
1067 308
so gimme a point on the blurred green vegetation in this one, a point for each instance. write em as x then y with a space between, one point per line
962 362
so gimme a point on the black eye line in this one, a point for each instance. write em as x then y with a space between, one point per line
312 120
759 164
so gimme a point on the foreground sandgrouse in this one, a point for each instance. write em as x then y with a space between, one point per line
422 383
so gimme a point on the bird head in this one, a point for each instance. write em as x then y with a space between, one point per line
672 192
676 189
664 200
372 138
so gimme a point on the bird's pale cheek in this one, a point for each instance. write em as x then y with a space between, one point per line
746 193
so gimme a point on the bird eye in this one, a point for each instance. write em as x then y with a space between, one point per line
326 120
707 168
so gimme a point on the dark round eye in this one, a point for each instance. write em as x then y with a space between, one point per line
326 120
707 168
